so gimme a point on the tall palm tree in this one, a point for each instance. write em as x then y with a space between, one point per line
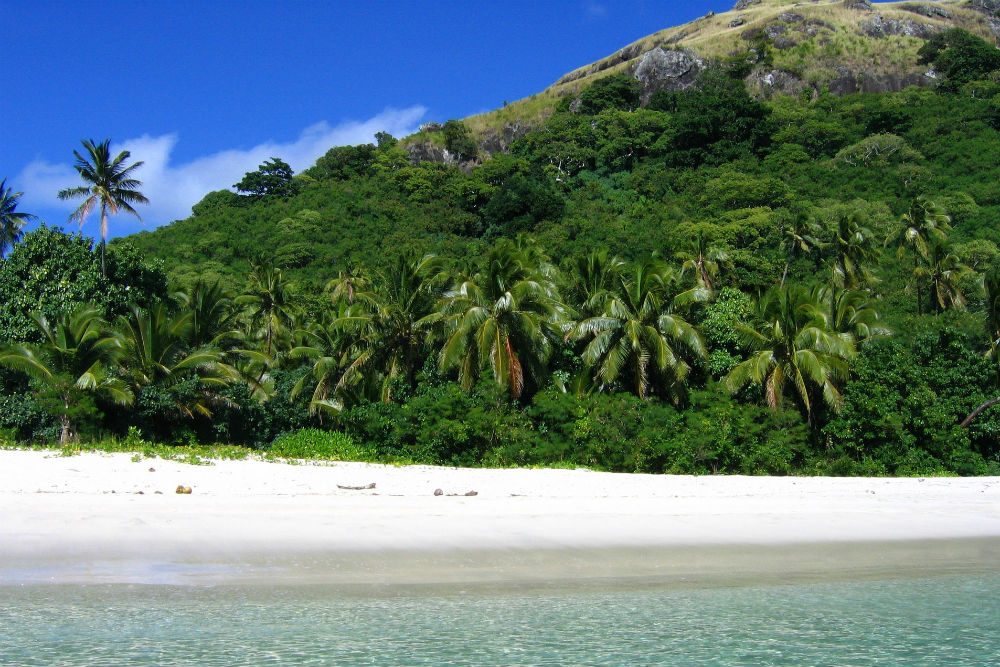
851 313
157 352
72 360
703 260
593 279
328 343
269 303
391 337
110 184
210 315
991 285
943 272
852 252
11 220
800 237
506 318
922 227
793 345
639 340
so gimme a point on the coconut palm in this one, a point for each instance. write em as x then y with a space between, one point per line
793 345
800 237
157 352
852 313
852 252
71 361
269 304
348 283
391 338
210 315
924 225
592 281
943 272
640 341
703 260
991 285
506 318
11 220
110 184
328 344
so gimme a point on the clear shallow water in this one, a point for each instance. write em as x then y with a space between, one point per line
949 621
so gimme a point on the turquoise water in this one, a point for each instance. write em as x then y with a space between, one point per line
950 621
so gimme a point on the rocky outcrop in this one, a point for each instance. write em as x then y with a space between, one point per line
879 26
930 11
858 5
499 141
743 4
773 82
666 69
991 7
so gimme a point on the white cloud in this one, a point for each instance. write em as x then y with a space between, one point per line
173 188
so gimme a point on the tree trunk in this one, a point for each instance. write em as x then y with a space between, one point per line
784 275
104 238
66 433
975 413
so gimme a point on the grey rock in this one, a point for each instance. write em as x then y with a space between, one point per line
859 5
775 30
776 81
989 7
930 11
782 43
879 26
791 17
499 141
671 70
438 492
737 22
743 4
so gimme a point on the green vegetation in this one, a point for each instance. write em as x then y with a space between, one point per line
707 283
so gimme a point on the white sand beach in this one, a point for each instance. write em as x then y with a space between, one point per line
107 517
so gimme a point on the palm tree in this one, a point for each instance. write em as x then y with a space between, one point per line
800 237
594 278
210 314
991 285
348 283
943 272
157 352
506 317
392 339
922 227
639 340
269 300
793 345
110 183
11 220
72 360
852 252
328 344
703 260
851 313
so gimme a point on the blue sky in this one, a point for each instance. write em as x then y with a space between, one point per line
205 91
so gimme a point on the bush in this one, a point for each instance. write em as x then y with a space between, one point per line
312 443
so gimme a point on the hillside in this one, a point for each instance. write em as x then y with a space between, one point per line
843 47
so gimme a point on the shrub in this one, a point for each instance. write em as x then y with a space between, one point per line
312 443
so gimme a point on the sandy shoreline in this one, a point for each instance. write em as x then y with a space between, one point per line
99 518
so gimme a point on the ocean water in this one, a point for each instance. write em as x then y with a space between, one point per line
951 621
